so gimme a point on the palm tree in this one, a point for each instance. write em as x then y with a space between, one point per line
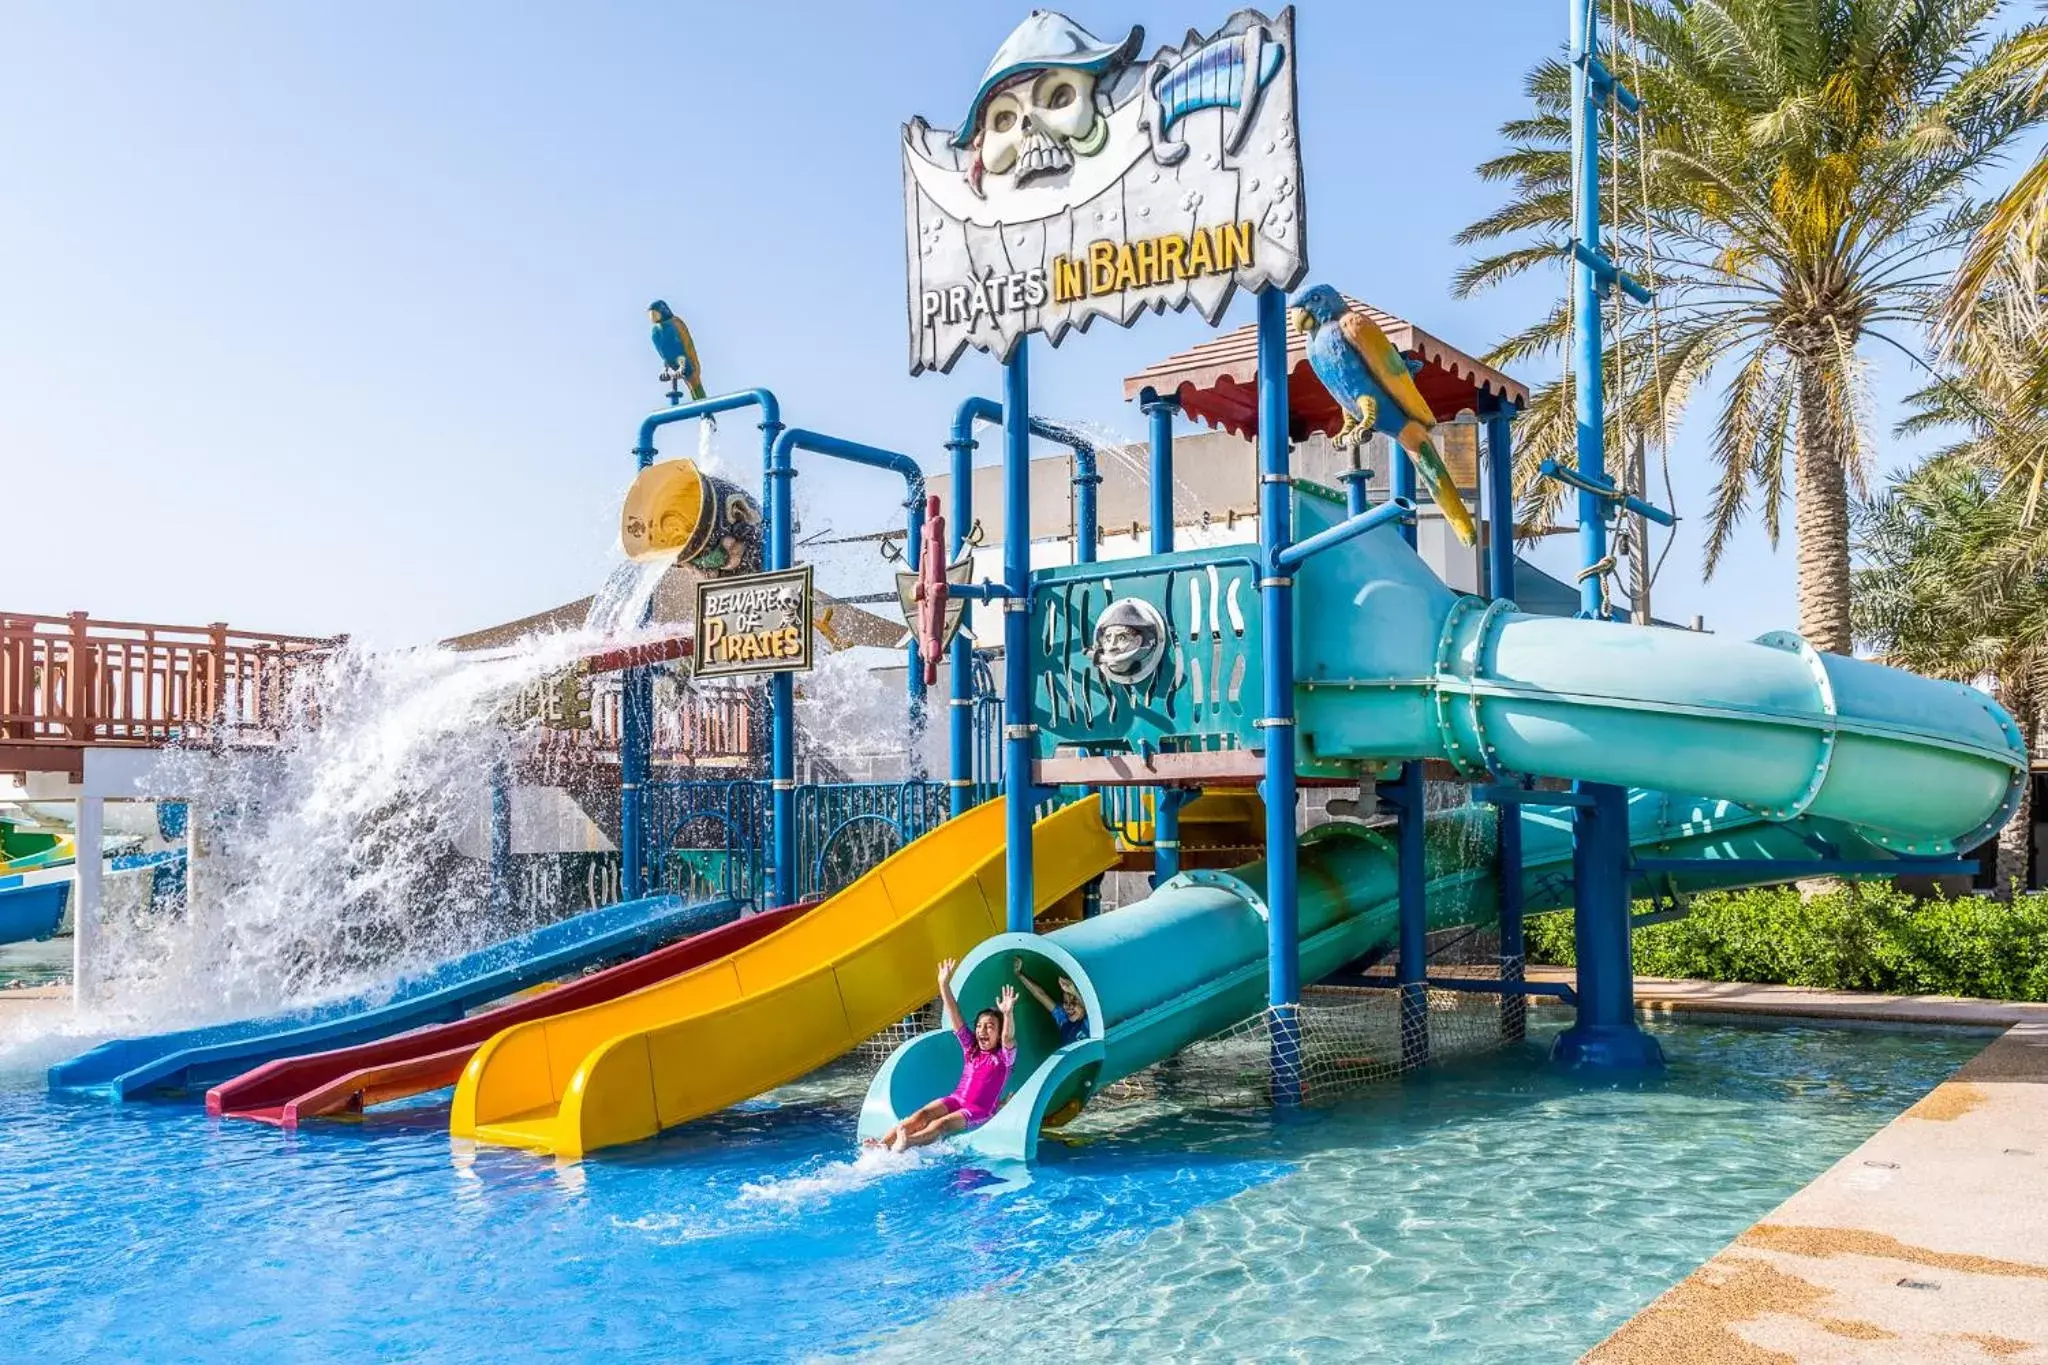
1800 169
1953 583
2017 228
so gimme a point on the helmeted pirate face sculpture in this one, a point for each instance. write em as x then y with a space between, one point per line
1130 641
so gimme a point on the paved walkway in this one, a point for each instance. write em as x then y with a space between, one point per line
1929 1243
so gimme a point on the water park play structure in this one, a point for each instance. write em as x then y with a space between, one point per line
1138 695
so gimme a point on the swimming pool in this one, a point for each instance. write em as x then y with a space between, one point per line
1491 1209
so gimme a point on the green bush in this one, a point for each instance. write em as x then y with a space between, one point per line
1854 937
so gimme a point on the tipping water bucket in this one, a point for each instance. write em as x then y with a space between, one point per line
676 512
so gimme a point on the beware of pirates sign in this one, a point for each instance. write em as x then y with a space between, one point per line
757 624
1086 182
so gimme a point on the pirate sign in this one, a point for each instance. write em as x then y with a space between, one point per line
1085 181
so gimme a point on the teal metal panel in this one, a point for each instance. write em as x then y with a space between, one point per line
1204 691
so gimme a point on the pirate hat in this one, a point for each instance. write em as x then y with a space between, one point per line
1046 39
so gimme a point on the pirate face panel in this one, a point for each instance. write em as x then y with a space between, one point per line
1129 641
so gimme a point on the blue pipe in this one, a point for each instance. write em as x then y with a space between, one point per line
1087 478
1398 510
1356 500
1605 1034
1166 801
1016 583
1276 598
1159 412
1500 581
782 555
771 416
1017 745
960 724
636 739
1606 492
1412 910
636 699
1401 483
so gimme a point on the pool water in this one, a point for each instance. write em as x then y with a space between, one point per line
1487 1210
47 963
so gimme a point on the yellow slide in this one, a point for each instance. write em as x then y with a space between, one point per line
626 1069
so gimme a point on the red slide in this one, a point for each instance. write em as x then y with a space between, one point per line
348 1079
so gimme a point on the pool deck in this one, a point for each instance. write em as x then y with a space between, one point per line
1929 1243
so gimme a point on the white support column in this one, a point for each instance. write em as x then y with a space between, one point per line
85 897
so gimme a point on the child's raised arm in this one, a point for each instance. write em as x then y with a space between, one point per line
953 1019
1006 1002
1037 991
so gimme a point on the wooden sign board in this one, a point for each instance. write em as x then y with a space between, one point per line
757 624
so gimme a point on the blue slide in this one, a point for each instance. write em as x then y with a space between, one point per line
196 1058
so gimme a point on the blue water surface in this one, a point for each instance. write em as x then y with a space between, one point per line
1483 1210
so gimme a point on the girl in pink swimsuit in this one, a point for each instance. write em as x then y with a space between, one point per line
987 1054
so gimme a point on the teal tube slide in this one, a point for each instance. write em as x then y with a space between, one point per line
1190 960
1802 755
1921 766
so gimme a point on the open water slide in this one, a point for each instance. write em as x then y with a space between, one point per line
627 1069
351 1079
202 1056
1801 755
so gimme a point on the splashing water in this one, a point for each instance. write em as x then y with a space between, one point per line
329 861
856 719
621 604
832 1180
1131 459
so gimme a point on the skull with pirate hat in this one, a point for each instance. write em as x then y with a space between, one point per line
1037 107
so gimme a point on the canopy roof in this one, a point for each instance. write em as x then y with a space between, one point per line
1217 381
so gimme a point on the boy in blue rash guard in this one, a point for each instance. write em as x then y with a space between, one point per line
1069 1012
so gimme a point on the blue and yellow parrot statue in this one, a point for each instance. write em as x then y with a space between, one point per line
1375 391
678 352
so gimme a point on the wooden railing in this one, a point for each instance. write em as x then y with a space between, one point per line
72 682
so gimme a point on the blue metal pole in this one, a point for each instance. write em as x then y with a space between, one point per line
960 780
636 738
1500 579
1159 411
1411 965
1356 501
1087 527
501 837
1166 801
1401 482
1605 1034
636 687
1017 745
1276 598
1590 399
913 664
781 554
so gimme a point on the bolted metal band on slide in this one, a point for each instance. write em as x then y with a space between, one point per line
1824 704
1461 651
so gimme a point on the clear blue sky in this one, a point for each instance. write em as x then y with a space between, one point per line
329 318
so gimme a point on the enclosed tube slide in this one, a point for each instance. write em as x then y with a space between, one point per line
1802 755
201 1056
1922 767
1190 961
